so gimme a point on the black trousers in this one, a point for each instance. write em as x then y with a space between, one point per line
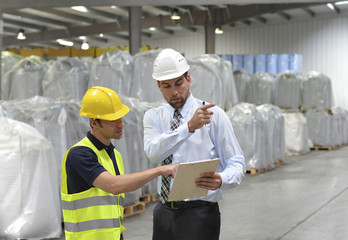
193 222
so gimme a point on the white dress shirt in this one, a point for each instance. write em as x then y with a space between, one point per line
213 140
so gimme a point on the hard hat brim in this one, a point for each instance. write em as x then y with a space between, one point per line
170 76
108 117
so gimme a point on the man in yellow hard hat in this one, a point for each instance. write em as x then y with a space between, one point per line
187 130
93 179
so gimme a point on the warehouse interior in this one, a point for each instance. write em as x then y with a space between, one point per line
277 68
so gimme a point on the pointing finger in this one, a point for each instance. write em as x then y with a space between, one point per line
205 107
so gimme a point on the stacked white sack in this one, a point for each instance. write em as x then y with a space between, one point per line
30 206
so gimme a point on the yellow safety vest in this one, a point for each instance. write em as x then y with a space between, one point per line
93 214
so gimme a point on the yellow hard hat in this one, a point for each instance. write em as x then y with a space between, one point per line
102 103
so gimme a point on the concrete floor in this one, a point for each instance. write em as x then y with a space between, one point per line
303 199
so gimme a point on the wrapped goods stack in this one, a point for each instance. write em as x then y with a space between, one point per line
29 206
296 133
132 144
288 90
66 79
241 79
59 122
274 133
249 129
216 75
317 91
144 86
260 89
113 70
342 114
320 125
8 61
25 79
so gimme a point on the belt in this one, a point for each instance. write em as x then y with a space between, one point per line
186 204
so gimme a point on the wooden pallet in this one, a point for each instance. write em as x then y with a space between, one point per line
278 163
317 148
146 198
133 209
254 171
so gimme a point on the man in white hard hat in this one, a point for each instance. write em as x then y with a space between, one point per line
188 130
93 179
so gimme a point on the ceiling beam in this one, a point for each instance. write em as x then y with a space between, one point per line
104 14
43 20
68 15
23 24
309 12
285 16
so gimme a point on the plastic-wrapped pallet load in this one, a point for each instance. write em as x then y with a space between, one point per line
288 90
260 89
144 87
241 79
131 146
320 125
317 91
8 61
25 79
249 129
66 79
59 122
296 133
212 80
114 70
274 132
343 127
29 206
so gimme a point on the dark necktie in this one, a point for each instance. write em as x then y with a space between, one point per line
166 179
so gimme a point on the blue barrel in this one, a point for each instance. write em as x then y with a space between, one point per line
237 62
260 63
249 63
283 63
295 62
272 63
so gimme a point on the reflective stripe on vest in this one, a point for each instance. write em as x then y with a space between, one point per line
93 224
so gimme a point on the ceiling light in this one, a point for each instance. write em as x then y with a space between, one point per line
21 35
80 8
65 43
341 2
101 35
219 30
175 15
331 6
114 7
85 45
152 29
82 37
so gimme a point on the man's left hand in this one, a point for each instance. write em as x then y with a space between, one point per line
209 180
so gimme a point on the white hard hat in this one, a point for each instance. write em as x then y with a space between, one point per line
169 64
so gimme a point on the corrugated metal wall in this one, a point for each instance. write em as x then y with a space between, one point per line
323 44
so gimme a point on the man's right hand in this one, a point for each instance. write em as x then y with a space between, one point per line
200 118
169 170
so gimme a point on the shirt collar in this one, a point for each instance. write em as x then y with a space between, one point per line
98 144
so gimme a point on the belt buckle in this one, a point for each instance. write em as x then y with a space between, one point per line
172 205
